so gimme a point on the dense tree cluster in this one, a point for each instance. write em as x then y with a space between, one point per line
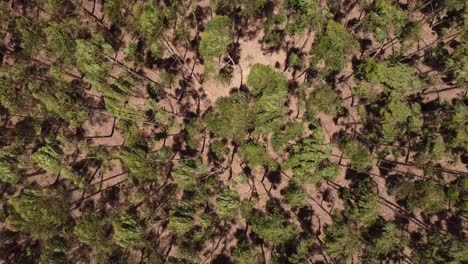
221 131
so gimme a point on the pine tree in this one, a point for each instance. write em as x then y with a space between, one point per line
324 99
272 226
384 18
128 233
307 157
256 155
425 195
333 47
360 157
42 213
399 77
342 241
216 37
233 117
270 90
362 203
92 231
227 202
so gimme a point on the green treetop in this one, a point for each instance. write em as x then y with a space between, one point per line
362 203
128 233
270 89
216 37
359 155
112 9
384 241
92 231
307 157
60 39
425 195
295 194
11 165
30 32
333 47
385 18
256 155
307 14
399 77
233 119
181 219
292 132
61 101
89 60
324 99
143 165
227 202
150 20
42 213
457 125
400 118
273 226
48 158
187 173
342 241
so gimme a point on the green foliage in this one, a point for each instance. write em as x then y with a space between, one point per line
360 157
324 99
243 253
385 241
400 118
307 156
270 90
292 132
385 18
48 158
117 109
362 203
263 79
65 103
55 7
295 194
307 14
256 155
181 220
92 231
186 174
399 77
342 241
273 28
42 213
142 165
112 9
89 62
273 227
437 251
365 92
457 63
302 251
425 195
10 165
30 32
216 37
227 202
150 20
219 149
233 119
195 129
457 125
333 47
128 233
61 42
